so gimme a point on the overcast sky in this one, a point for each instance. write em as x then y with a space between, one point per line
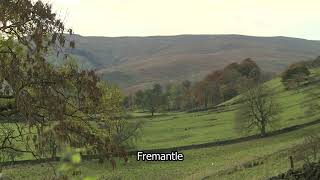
293 18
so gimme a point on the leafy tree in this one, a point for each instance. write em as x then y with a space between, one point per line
186 94
222 85
228 92
215 76
215 88
186 84
154 98
139 99
249 69
230 77
216 96
168 95
294 75
128 102
258 111
202 93
174 95
56 104
208 93
157 90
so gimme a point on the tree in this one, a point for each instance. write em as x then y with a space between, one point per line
174 95
226 83
258 111
249 69
230 77
169 96
56 104
139 99
186 94
202 93
154 98
308 150
128 102
294 75
215 93
229 91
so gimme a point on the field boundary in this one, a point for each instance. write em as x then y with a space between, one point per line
180 148
231 141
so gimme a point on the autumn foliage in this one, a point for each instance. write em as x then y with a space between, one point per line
294 75
53 106
216 87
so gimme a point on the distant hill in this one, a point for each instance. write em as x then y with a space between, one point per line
136 62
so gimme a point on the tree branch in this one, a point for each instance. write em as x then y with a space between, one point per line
6 97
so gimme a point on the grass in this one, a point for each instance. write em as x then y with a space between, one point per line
177 129
197 164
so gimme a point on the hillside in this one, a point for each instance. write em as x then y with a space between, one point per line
134 62
257 158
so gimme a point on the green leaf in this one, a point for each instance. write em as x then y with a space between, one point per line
76 158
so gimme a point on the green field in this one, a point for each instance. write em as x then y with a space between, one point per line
197 164
220 162
177 129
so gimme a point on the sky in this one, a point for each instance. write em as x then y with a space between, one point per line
292 18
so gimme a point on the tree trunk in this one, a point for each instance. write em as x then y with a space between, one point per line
291 162
263 129
54 153
206 102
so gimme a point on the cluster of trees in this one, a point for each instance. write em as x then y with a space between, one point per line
298 73
150 99
216 87
294 75
46 107
222 85
260 109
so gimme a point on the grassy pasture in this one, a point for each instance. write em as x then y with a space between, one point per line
177 129
208 162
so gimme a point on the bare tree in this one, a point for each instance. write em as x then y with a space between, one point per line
308 151
258 111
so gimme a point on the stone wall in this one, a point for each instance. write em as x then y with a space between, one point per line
307 172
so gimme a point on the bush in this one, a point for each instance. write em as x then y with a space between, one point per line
316 62
294 75
308 151
308 171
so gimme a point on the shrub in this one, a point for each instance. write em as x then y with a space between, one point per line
294 75
309 150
